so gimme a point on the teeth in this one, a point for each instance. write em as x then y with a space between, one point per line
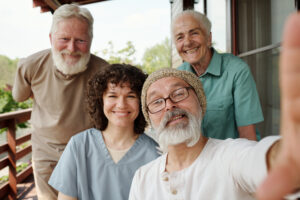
175 118
192 50
121 113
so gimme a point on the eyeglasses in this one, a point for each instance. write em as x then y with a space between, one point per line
175 96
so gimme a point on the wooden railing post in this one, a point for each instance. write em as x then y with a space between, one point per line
11 140
8 190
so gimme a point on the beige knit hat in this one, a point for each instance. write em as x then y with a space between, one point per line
188 77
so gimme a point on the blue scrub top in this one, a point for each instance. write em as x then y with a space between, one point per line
232 98
87 171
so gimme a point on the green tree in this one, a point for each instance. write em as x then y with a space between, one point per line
157 56
125 55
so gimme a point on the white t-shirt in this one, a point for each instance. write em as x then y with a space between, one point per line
225 169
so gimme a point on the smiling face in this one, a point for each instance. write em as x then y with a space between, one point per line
71 45
191 40
161 89
120 105
178 122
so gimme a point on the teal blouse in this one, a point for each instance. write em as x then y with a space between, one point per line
232 98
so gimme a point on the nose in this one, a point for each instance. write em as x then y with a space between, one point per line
121 103
187 40
170 104
72 46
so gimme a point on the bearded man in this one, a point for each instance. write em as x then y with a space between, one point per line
196 167
56 79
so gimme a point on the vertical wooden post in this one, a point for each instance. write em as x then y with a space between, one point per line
234 25
11 140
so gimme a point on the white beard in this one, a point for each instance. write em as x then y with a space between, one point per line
70 69
188 133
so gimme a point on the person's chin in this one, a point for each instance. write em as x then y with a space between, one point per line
71 61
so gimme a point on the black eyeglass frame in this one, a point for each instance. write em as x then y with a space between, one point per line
169 97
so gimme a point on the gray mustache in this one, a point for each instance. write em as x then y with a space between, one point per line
173 113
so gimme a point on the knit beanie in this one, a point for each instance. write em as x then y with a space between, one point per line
188 77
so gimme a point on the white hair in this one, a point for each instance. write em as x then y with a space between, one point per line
201 18
66 68
68 11
188 133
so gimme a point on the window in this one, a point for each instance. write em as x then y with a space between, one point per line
259 30
217 15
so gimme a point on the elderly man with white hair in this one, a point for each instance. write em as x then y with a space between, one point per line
196 167
56 79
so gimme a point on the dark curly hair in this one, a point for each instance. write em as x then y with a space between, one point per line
97 85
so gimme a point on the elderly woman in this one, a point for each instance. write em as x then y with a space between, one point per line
99 163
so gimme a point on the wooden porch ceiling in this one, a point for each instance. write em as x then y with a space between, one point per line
52 5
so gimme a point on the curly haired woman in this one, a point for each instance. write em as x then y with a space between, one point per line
99 163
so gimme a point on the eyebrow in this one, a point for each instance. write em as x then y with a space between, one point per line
194 29
113 92
172 86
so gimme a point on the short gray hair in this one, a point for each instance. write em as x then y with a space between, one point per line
201 18
68 11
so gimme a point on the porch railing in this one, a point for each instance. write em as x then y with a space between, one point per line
9 121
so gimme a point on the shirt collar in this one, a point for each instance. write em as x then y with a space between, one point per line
162 166
214 66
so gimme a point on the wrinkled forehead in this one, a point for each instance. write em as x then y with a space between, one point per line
186 23
162 87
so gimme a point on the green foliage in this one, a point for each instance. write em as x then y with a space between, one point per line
124 55
158 56
3 179
155 57
23 146
7 68
8 104
20 168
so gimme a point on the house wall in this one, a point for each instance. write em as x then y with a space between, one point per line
176 7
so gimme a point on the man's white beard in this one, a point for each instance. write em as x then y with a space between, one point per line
185 132
70 69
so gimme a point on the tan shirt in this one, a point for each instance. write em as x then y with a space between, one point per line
59 111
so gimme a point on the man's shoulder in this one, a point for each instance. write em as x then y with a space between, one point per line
96 60
95 64
36 60
37 56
